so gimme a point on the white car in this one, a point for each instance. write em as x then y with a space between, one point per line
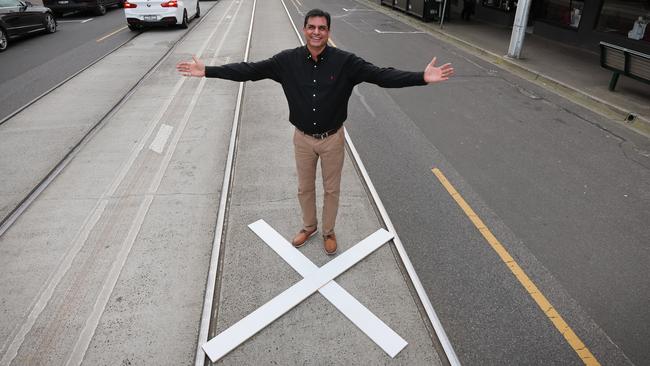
141 13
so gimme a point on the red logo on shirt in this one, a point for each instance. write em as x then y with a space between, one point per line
331 77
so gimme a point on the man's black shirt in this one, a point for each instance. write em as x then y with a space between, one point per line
317 91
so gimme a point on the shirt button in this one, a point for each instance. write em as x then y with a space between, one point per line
314 80
314 123
314 95
314 66
314 109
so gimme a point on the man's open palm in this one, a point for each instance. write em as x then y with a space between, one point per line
191 68
433 74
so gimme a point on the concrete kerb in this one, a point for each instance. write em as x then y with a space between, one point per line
629 119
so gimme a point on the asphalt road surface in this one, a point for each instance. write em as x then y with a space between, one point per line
565 191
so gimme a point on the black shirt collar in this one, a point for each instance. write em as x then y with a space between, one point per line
321 56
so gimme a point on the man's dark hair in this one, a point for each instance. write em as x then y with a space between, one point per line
317 13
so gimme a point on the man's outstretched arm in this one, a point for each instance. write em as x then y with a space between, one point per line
239 71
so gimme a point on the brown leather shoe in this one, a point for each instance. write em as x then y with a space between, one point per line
329 243
301 238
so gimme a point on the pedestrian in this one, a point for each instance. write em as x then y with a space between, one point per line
317 81
468 9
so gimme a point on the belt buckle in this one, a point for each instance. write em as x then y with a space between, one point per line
321 136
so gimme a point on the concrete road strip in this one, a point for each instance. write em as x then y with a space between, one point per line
158 143
77 354
236 334
358 314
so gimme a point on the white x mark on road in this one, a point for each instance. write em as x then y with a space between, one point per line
315 279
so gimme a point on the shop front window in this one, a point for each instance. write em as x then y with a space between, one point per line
566 13
505 5
628 18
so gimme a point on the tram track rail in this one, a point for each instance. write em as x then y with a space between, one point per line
7 221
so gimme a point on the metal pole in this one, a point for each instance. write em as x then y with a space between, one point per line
519 28
444 8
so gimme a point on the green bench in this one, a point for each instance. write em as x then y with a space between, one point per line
620 60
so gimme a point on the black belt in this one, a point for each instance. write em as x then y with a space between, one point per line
321 136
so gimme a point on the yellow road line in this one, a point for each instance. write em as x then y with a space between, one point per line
573 340
112 33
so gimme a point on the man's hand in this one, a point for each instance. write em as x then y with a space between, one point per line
433 74
191 68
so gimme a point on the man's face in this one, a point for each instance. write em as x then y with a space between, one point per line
316 32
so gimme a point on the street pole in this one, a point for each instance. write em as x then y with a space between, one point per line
444 8
519 28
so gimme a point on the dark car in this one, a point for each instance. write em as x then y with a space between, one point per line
18 18
98 7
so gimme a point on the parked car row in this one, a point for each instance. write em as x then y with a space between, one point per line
20 17
97 7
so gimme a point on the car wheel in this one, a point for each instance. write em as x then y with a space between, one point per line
4 42
50 23
101 8
134 27
185 22
198 10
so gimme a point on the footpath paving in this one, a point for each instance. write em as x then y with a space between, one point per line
109 265
572 72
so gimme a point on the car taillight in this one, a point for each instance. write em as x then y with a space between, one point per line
129 5
170 4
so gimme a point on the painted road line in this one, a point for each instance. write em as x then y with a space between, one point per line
394 32
74 21
239 332
357 313
543 303
158 143
355 9
110 34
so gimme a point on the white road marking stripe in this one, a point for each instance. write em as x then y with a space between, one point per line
391 32
232 337
158 143
74 21
358 314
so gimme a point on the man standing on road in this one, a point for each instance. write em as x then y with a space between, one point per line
318 81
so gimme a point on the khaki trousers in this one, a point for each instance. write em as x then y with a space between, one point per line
331 151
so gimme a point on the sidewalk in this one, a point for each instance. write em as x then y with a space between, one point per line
572 72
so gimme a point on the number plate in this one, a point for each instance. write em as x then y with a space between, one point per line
63 2
150 18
